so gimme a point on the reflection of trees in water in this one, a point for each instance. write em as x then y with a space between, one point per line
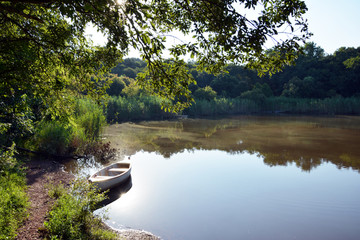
305 163
308 163
305 142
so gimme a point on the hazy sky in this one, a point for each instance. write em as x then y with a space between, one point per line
334 23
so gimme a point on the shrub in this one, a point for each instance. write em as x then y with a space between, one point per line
206 93
53 137
255 94
72 215
116 87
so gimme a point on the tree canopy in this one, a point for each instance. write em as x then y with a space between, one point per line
46 57
315 75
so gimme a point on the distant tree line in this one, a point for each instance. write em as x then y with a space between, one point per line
315 75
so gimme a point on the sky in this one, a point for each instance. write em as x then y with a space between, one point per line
334 24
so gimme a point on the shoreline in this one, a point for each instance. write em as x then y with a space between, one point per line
39 174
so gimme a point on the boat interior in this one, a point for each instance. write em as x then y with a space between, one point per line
114 170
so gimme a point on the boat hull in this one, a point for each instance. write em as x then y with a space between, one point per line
111 176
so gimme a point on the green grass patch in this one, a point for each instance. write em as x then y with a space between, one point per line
72 215
13 197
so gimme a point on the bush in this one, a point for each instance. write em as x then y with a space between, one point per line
72 215
13 200
255 95
116 87
206 93
53 137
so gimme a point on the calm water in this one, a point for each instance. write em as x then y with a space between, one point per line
240 178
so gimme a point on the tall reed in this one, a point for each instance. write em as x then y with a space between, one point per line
90 117
64 137
329 106
121 109
221 106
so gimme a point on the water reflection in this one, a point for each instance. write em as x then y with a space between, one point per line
306 142
206 194
215 178
115 193
83 167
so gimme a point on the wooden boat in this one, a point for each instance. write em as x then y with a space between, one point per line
111 175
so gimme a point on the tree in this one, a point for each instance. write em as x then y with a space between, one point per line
255 94
206 93
45 54
311 51
265 89
116 86
291 88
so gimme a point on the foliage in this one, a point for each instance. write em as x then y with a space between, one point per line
13 201
83 129
102 151
135 64
316 84
206 93
72 215
53 137
90 117
255 94
116 86
315 75
45 59
45 53
329 106
121 109
132 90
264 88
222 106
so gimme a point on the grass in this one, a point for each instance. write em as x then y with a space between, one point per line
13 200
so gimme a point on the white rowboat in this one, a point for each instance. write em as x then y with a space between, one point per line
111 175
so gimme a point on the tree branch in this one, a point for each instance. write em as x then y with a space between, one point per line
8 9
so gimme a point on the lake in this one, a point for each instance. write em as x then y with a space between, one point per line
241 177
